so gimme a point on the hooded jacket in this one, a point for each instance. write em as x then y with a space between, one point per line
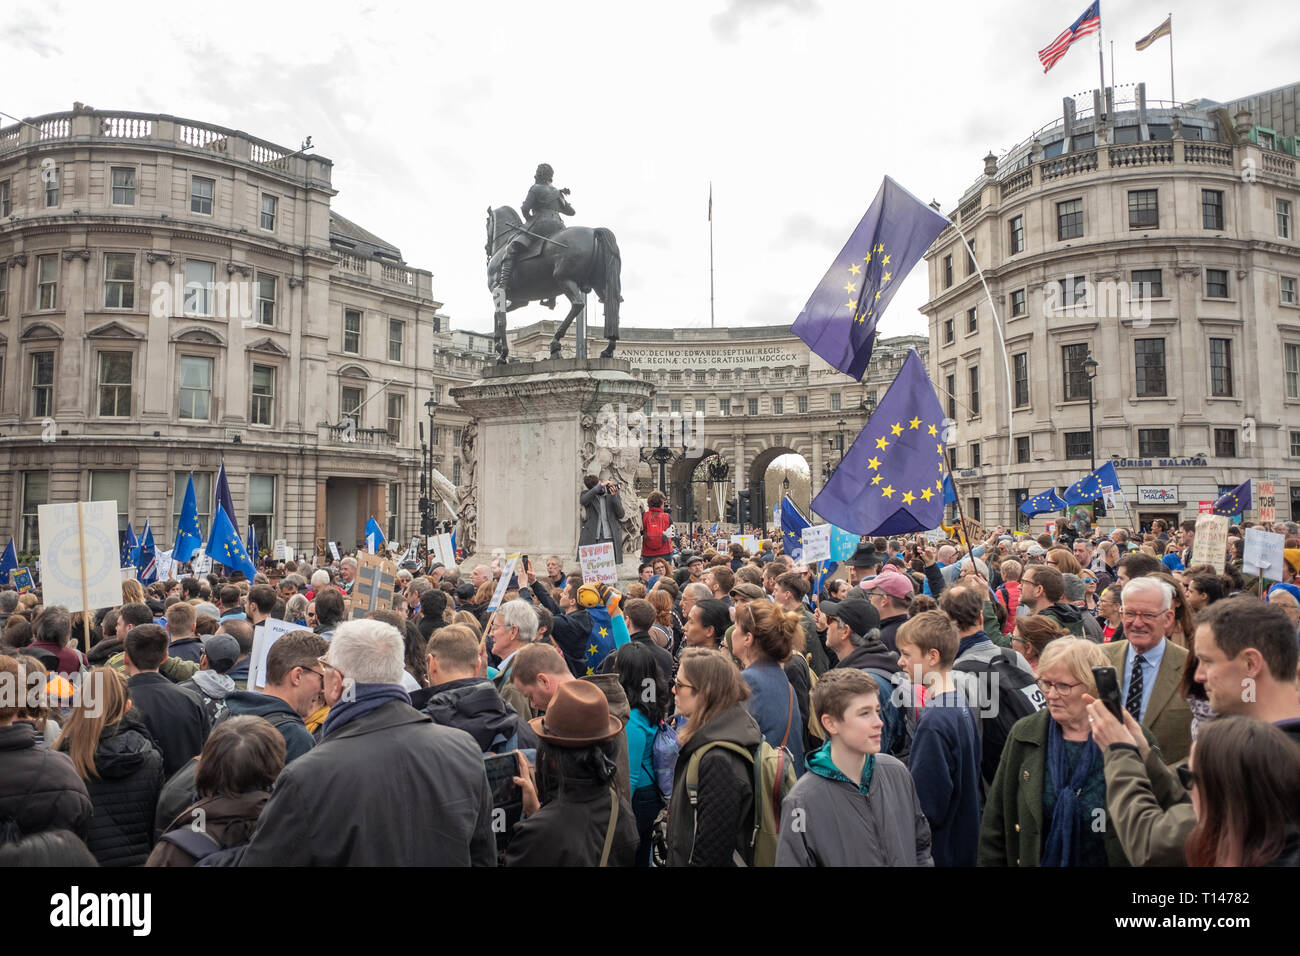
228 820
716 831
213 688
125 794
874 657
875 822
247 703
1068 616
39 788
473 705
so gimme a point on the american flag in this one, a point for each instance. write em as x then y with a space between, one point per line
1088 22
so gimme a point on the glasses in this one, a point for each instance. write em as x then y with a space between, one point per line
317 673
326 665
680 683
1187 777
1047 687
1089 580
1148 616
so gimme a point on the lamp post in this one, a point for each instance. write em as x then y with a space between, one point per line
426 471
1090 366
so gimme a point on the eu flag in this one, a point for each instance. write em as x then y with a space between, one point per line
891 480
189 537
600 642
8 561
949 492
374 535
226 548
1088 488
839 321
129 545
1049 502
1236 501
792 525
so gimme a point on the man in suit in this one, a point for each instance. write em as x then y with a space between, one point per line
1150 666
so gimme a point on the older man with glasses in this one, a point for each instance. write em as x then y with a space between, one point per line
1150 666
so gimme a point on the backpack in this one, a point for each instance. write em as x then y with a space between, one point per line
664 751
773 778
1002 696
656 525
205 850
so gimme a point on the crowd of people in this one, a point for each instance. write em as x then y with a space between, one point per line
1095 700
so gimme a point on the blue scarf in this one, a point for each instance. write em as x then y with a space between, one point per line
1058 848
365 698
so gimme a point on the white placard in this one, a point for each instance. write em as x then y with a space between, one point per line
1108 496
1211 544
1265 501
278 551
598 563
79 555
816 543
440 547
201 562
503 585
334 550
128 573
265 635
163 561
288 553
1263 553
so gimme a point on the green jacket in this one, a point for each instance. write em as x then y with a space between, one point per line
1150 811
1013 830
176 668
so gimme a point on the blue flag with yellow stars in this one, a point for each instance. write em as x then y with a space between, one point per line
1088 488
891 480
226 548
839 321
1049 502
792 525
601 642
949 492
189 536
1236 501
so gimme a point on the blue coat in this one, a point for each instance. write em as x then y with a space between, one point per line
775 706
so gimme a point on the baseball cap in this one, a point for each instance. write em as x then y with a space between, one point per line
222 651
895 585
858 615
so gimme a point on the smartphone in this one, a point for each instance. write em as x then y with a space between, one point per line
527 565
1108 690
501 772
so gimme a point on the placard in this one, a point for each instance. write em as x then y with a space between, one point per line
264 636
439 545
1265 501
288 553
1108 496
1205 507
748 541
374 588
598 563
129 573
201 563
1263 553
278 552
503 585
163 561
79 553
23 581
334 550
816 543
1211 544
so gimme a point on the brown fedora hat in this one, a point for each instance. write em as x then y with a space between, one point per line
578 716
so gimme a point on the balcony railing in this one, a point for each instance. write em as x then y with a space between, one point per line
1142 154
418 282
346 433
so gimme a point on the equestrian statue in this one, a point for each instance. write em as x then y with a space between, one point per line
538 259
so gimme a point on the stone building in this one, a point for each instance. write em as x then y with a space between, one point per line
1158 240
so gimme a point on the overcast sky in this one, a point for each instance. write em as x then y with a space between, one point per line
794 109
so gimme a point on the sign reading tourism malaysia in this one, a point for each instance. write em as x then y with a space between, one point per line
1157 495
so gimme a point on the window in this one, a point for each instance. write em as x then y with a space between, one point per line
47 282
119 281
1018 302
435 435
835 401
1020 378
1291 353
974 374
266 289
1143 209
1153 442
202 498
1287 284
267 220
675 406
200 277
50 174
393 503
1295 444
201 192
970 257
396 332
5 207
123 178
1148 283
724 407
975 510
352 331
1211 209
778 406
396 406
952 457
1225 443
196 388
972 320
1022 449
455 438
42 384
1078 444
36 492
1069 219
947 271
1283 207
1017 234
113 486
951 384
436 391
261 405
4 289
261 508
753 406
1149 361
115 384
1216 283
1073 291
455 473
802 404
350 403
1076 377
975 455
676 376
947 330
1221 367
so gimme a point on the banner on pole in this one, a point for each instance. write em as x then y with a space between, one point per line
816 543
504 584
79 554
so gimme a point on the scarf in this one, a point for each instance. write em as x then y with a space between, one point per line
365 698
1058 848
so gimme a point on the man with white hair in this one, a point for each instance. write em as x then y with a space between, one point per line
386 786
514 626
691 594
347 574
1150 666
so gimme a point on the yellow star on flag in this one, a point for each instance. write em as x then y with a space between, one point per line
881 443
939 484
927 494
850 288
887 491
896 428
939 447
933 431
592 649
867 258
914 423
873 464
887 277
876 480
908 497
878 294
885 261
855 269
850 305
603 632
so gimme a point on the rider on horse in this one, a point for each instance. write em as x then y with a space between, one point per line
542 207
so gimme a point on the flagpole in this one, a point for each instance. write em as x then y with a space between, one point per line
710 253
1101 65
961 513
1172 96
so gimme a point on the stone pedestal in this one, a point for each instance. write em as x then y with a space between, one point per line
538 428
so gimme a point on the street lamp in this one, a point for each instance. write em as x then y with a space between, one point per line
426 471
1090 366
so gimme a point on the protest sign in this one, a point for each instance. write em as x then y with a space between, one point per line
503 585
264 636
334 551
79 553
278 552
1266 501
375 586
816 543
1108 496
441 549
1205 507
23 581
1211 544
201 563
749 542
1263 553
163 561
598 563
288 553
128 573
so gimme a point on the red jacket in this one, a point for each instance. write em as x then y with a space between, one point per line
660 520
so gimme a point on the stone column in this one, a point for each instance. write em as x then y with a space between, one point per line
815 465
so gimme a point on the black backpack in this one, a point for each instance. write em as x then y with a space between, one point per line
205 850
1004 693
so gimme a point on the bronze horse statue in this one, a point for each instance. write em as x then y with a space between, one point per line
571 262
